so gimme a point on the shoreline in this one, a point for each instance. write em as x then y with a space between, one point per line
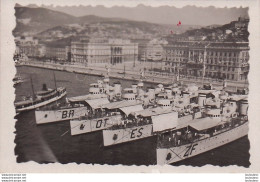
149 77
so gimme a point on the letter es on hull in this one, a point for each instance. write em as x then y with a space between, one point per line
136 133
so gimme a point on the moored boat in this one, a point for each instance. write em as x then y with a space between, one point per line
40 99
76 106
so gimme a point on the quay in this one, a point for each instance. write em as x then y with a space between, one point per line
131 73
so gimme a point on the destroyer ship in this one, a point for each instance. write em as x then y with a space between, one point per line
217 127
75 106
171 107
178 110
105 114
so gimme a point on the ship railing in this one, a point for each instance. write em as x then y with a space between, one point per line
175 140
178 140
130 124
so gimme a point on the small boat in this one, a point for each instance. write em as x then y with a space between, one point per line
40 99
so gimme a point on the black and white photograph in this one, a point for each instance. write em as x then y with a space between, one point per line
131 85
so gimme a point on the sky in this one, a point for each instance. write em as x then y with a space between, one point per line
189 15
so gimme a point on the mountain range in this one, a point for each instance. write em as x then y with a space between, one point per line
34 20
189 15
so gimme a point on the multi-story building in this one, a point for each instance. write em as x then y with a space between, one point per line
29 46
58 53
112 51
220 60
90 51
31 50
152 54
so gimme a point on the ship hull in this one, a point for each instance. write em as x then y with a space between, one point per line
41 104
113 137
50 116
78 127
175 154
135 133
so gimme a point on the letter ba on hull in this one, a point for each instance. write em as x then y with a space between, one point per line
175 154
49 116
113 137
78 127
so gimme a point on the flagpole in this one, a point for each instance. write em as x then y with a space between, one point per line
204 63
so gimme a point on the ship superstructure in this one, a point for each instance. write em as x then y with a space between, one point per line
223 121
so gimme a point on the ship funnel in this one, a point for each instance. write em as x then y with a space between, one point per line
168 93
243 107
44 87
201 99
134 87
151 94
118 89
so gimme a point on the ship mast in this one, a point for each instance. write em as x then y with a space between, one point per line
54 80
204 63
32 87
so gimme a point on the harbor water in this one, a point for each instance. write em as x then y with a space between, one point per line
53 142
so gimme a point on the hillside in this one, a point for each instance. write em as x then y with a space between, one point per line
41 21
233 31
38 19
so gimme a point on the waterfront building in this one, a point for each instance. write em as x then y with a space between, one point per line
31 50
220 60
152 54
29 46
102 51
26 40
58 53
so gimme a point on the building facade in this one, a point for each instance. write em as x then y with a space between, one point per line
29 46
99 51
220 60
58 53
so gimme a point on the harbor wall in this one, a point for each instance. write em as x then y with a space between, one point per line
132 74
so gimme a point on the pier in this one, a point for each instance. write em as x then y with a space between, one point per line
134 74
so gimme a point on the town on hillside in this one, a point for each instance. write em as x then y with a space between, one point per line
218 52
